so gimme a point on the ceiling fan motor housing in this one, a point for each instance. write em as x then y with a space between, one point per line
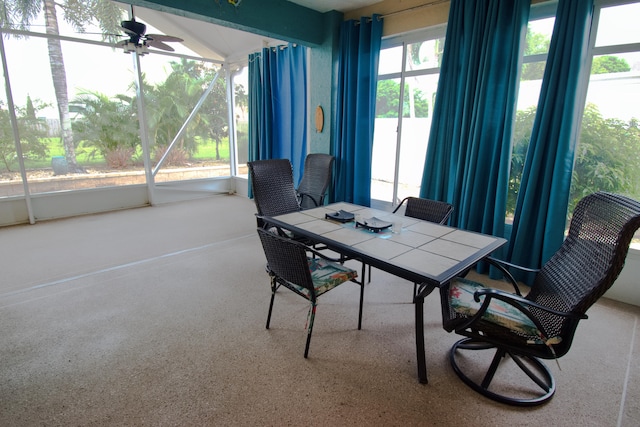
134 27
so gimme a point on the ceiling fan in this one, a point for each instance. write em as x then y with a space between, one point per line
140 42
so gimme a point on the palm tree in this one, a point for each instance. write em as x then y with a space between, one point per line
170 103
20 14
107 126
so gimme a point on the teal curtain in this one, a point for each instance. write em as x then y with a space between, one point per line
257 131
541 209
278 105
355 108
469 151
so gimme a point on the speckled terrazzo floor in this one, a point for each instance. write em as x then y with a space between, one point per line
155 316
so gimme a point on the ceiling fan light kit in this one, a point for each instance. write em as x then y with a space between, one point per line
128 47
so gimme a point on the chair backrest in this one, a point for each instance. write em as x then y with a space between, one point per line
426 209
286 259
316 178
273 189
588 262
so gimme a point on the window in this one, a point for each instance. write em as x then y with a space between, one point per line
103 121
241 115
409 70
608 152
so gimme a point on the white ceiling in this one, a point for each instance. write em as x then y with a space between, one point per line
227 44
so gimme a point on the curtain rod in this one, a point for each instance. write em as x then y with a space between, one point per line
433 3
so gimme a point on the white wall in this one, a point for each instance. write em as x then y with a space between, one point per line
63 204
626 288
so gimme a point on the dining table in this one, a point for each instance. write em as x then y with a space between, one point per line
422 252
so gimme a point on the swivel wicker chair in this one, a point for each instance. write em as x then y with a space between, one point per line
542 324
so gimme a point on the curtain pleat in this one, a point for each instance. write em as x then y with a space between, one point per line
469 151
255 107
541 209
355 108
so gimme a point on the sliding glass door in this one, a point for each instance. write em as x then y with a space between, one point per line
407 84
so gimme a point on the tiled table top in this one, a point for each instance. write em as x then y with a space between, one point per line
434 251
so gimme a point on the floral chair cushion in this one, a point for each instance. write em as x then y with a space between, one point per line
461 293
326 275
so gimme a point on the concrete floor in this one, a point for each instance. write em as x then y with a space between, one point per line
155 316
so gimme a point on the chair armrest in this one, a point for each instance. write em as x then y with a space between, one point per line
517 299
301 196
502 266
517 302
518 267
319 254
400 204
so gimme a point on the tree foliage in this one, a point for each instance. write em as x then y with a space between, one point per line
172 101
388 99
110 125
609 64
106 126
607 156
535 44
22 13
32 132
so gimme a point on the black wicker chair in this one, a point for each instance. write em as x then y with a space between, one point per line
426 209
273 190
542 324
318 170
289 265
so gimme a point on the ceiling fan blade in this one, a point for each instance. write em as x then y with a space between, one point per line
102 34
164 38
159 45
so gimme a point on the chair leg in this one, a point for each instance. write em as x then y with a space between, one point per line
274 287
310 318
533 368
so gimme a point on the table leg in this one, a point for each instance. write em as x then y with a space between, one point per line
423 291
362 282
422 363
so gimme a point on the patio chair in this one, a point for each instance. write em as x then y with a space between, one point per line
273 189
316 178
426 209
289 265
542 324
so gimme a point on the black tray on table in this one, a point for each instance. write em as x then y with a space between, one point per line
373 224
340 216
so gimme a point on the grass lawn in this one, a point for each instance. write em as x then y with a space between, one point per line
206 151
